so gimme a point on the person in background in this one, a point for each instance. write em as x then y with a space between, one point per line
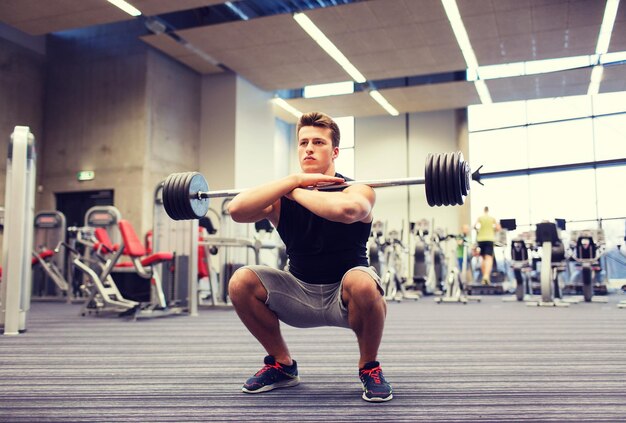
486 227
461 251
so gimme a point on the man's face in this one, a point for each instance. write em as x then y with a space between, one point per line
315 149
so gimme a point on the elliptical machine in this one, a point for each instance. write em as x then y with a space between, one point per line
420 253
587 252
552 263
521 268
520 260
454 285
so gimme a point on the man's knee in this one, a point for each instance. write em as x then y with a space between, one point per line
360 287
245 284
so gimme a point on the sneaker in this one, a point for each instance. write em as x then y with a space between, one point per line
486 282
375 387
272 376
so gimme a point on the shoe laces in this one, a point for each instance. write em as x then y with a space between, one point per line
375 374
267 367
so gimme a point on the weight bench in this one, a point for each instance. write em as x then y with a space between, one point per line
144 264
51 270
101 292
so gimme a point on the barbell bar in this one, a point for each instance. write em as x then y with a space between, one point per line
447 182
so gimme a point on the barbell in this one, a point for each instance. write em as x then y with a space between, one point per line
447 181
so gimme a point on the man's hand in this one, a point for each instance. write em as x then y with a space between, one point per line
312 180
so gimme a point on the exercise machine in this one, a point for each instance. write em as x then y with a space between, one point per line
520 262
552 263
454 289
219 294
50 280
436 272
393 277
100 291
419 231
588 245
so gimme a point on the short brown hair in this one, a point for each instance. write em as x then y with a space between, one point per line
320 120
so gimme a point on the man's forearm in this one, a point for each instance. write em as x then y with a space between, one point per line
335 206
250 203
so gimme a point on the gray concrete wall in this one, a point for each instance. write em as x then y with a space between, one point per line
172 123
118 108
254 136
96 115
22 73
217 133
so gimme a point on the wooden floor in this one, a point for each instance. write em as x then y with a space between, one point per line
489 361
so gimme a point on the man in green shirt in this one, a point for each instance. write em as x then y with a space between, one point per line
486 227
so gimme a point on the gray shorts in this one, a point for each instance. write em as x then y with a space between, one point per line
306 305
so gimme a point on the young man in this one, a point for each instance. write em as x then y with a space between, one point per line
329 281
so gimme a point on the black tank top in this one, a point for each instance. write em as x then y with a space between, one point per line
321 251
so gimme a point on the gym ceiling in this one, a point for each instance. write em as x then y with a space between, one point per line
405 48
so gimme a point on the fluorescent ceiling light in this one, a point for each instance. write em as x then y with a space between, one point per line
206 57
324 90
535 67
473 71
596 78
617 56
383 102
286 106
126 7
604 38
532 67
237 10
328 46
483 91
505 70
454 16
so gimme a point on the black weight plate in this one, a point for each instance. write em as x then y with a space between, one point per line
462 172
186 205
170 196
443 179
199 206
450 179
456 171
185 202
164 194
429 180
435 175
178 197
466 176
167 195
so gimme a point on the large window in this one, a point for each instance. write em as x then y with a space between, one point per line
552 158
558 143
